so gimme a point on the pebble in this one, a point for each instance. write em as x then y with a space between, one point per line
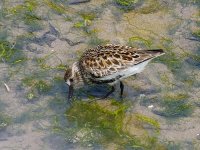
150 106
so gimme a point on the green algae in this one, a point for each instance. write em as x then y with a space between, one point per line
150 121
31 95
27 13
140 6
88 16
139 41
43 86
27 6
5 121
56 7
29 81
6 50
61 67
68 18
127 4
167 81
106 124
10 54
33 21
24 39
85 21
42 62
171 59
196 34
58 79
35 87
103 122
175 64
176 105
171 105
79 24
43 65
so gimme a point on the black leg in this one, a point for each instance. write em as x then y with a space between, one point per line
70 93
122 89
111 91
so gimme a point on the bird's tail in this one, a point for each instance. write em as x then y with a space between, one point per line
155 52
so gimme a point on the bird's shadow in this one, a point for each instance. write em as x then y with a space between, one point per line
92 92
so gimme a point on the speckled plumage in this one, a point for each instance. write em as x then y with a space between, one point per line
109 63
106 60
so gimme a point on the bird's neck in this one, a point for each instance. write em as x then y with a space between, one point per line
79 81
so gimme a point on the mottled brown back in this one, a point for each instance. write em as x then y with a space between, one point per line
105 60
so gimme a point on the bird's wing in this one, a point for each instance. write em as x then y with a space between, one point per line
106 60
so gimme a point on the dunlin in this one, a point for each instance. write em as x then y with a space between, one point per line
108 64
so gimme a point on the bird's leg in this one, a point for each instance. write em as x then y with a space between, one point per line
122 89
110 92
70 94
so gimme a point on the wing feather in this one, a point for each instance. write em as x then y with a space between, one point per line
106 60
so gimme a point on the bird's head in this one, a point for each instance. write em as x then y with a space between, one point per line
69 77
72 77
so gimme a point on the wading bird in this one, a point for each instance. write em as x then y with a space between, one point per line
108 64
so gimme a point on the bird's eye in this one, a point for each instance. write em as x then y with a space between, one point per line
71 80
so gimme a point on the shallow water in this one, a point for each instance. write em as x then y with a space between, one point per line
40 39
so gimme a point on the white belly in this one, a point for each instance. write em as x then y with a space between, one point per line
127 72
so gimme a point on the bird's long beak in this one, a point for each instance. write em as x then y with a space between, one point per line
70 94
